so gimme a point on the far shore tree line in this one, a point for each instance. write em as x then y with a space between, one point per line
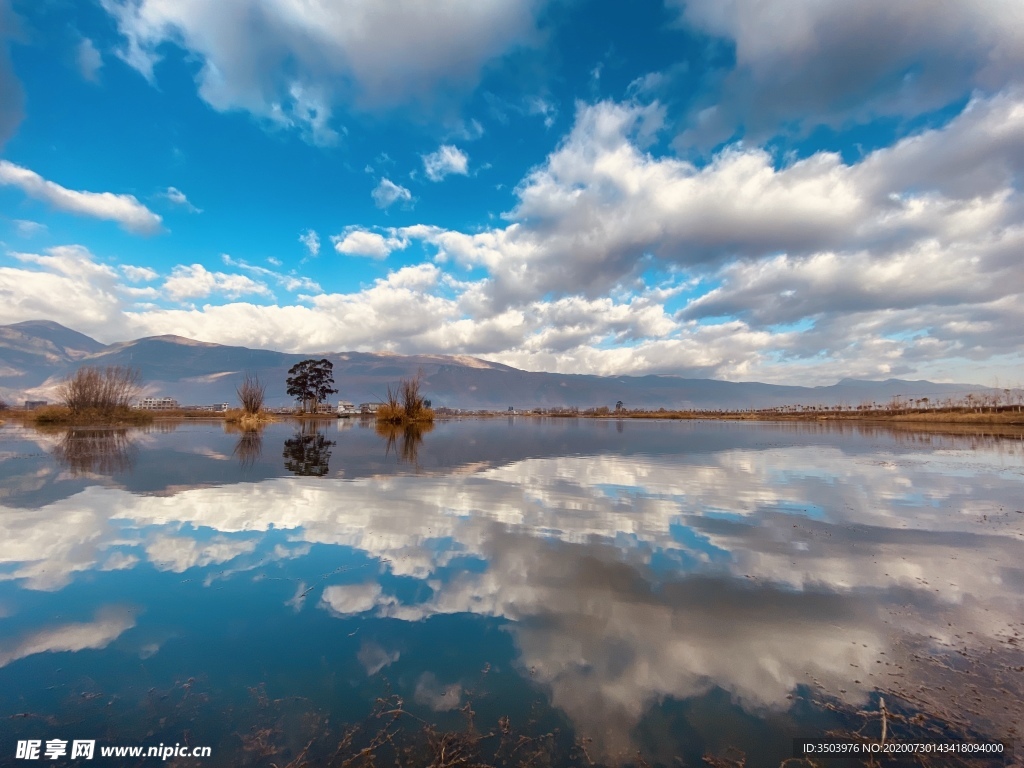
93 394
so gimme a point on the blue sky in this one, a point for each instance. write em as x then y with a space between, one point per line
790 192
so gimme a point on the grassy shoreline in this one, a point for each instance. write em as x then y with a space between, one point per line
59 416
1014 418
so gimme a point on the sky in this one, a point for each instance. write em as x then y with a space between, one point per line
792 192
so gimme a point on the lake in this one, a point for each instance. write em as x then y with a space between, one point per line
530 591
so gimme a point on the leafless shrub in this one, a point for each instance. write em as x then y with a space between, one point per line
251 394
412 397
102 391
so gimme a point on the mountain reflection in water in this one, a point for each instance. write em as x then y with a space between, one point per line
669 588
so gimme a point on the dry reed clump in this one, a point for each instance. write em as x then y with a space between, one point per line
62 415
405 404
239 418
251 394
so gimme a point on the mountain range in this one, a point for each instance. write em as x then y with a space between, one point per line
35 356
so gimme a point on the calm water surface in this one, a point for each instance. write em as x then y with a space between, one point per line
667 588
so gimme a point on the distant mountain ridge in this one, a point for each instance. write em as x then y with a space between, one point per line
36 355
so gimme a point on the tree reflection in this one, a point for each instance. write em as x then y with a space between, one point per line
95 451
404 439
308 452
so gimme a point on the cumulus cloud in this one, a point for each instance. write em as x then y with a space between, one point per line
363 242
177 197
138 274
64 284
195 281
387 193
902 263
291 63
311 240
126 210
448 159
89 60
821 63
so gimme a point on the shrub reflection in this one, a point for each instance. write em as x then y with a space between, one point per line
95 451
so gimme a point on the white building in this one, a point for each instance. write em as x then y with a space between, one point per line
345 408
158 404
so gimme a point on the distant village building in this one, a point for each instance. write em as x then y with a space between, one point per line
158 404
368 407
31 405
345 408
214 408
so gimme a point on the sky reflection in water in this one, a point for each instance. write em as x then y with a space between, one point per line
663 586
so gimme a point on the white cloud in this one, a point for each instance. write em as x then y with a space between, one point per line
126 210
195 281
65 284
448 159
903 263
362 242
138 274
588 218
812 63
177 197
89 60
387 193
311 240
28 228
292 62
290 282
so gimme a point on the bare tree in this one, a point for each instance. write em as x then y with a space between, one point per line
251 394
100 390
